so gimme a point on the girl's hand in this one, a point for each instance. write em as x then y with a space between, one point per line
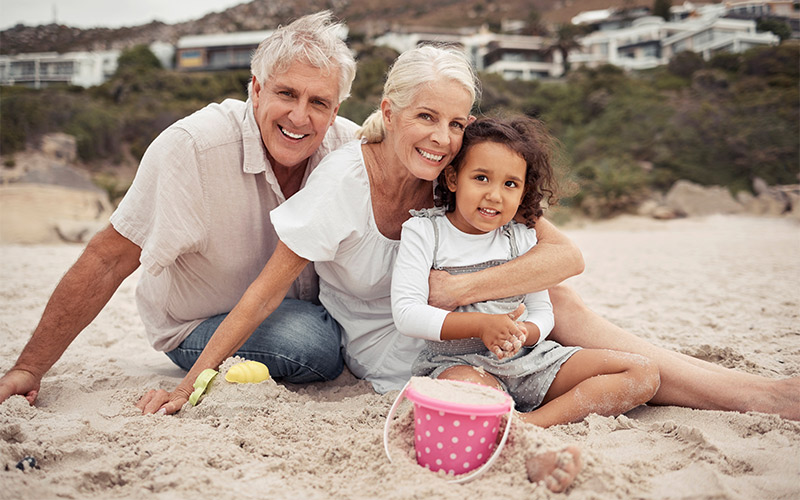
501 334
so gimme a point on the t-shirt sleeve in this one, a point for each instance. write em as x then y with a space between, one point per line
410 310
316 222
539 309
540 312
163 212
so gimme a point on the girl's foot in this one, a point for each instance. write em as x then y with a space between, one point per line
556 470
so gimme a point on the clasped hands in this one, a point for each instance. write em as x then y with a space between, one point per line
503 334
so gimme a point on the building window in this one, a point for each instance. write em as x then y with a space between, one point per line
191 59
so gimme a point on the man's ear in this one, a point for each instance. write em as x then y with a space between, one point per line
450 176
333 118
256 90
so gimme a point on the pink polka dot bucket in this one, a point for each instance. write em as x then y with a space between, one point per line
456 424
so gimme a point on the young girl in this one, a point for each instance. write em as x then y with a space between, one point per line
503 172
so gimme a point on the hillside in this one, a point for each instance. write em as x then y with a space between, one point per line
363 17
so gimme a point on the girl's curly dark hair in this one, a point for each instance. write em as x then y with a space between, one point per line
527 137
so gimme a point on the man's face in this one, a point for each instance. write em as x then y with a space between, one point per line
294 110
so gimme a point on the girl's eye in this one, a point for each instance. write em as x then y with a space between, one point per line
511 184
481 178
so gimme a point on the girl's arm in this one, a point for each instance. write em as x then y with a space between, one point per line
553 259
262 297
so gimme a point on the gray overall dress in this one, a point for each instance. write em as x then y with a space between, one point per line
527 376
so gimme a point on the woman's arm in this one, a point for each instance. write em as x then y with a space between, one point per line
552 260
260 299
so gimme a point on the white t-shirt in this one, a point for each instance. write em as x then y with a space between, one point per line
412 314
198 208
331 223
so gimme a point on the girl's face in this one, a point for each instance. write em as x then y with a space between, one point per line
426 135
488 187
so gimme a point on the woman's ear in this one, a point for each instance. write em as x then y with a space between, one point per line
450 176
386 113
471 119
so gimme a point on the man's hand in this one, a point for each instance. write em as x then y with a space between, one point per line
169 402
19 382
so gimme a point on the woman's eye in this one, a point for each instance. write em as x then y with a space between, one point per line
425 116
457 125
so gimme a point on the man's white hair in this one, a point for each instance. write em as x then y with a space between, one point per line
313 39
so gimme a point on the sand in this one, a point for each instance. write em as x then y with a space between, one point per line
722 288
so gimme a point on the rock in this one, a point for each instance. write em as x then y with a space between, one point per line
31 213
656 210
666 213
695 200
794 201
59 146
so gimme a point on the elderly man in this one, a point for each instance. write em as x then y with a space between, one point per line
197 219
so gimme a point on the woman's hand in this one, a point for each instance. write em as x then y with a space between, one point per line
156 400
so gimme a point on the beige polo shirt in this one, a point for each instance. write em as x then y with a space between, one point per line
199 209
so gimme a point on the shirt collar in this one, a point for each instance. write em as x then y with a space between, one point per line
255 155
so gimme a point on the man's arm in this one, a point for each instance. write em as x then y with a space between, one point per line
553 259
81 294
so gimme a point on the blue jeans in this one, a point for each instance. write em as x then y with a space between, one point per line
299 342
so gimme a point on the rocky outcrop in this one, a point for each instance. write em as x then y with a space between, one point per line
687 199
46 199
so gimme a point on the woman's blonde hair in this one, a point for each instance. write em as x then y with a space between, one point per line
313 39
412 69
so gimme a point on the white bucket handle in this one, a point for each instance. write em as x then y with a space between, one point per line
465 477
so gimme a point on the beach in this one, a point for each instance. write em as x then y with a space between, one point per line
724 288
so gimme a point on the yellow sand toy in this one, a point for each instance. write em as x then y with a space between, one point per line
247 372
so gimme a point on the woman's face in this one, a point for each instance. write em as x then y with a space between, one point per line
427 134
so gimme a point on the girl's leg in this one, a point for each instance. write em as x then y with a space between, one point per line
596 381
685 381
555 469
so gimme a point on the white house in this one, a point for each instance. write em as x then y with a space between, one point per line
652 41
84 69
512 56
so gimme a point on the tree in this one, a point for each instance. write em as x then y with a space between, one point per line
776 26
137 58
661 8
567 36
